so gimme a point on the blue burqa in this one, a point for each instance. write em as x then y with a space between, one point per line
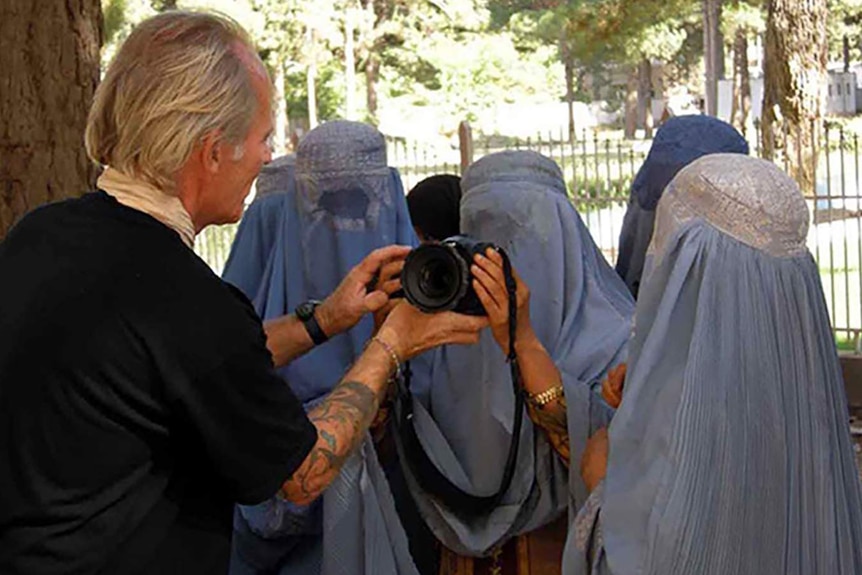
678 142
343 203
731 450
463 400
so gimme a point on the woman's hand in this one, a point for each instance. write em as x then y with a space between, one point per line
594 461
489 281
612 386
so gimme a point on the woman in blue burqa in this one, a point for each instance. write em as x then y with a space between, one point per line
678 142
295 244
579 317
731 449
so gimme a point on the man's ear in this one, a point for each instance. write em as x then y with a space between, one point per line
213 152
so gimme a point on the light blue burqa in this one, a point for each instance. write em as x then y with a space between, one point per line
731 450
343 203
463 400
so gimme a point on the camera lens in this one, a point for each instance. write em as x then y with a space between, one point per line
435 278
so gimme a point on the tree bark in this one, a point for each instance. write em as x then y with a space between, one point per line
349 64
741 82
372 75
569 65
49 57
644 96
631 104
795 84
281 120
311 78
713 52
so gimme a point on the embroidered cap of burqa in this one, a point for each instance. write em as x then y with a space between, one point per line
343 203
463 400
678 142
731 450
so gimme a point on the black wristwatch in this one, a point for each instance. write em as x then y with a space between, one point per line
305 313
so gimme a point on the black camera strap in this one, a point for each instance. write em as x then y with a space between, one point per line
424 470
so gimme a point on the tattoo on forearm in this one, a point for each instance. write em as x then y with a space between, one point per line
341 421
552 419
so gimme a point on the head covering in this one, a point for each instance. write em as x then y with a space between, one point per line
434 205
731 451
295 246
463 400
678 142
276 177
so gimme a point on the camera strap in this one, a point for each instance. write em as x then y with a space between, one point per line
424 470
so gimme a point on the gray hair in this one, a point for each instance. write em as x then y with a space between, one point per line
177 78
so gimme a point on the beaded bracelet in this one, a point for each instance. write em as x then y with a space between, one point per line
544 398
396 361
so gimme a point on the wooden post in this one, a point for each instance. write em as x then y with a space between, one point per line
465 138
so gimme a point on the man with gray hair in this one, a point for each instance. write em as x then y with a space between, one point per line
138 398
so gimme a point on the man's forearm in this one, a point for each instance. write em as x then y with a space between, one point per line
342 420
287 338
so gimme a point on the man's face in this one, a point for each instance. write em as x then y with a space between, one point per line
233 182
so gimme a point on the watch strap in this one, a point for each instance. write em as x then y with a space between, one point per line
318 336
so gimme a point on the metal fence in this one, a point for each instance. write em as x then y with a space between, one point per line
599 170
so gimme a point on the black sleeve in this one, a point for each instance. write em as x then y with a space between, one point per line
221 390
253 428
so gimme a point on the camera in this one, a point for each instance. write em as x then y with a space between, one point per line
436 277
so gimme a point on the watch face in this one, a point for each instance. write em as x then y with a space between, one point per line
306 310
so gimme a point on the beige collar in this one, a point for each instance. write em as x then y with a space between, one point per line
146 198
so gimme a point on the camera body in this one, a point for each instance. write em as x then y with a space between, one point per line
436 277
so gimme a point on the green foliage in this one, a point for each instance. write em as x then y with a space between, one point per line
845 19
162 5
330 97
741 15
464 57
495 72
113 18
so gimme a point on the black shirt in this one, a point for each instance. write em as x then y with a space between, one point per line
138 401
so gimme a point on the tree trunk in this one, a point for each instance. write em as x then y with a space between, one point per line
720 71
49 57
713 53
645 96
372 75
569 65
281 121
631 105
311 78
794 84
741 82
349 65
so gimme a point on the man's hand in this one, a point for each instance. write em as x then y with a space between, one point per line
410 332
352 299
388 282
594 461
343 418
